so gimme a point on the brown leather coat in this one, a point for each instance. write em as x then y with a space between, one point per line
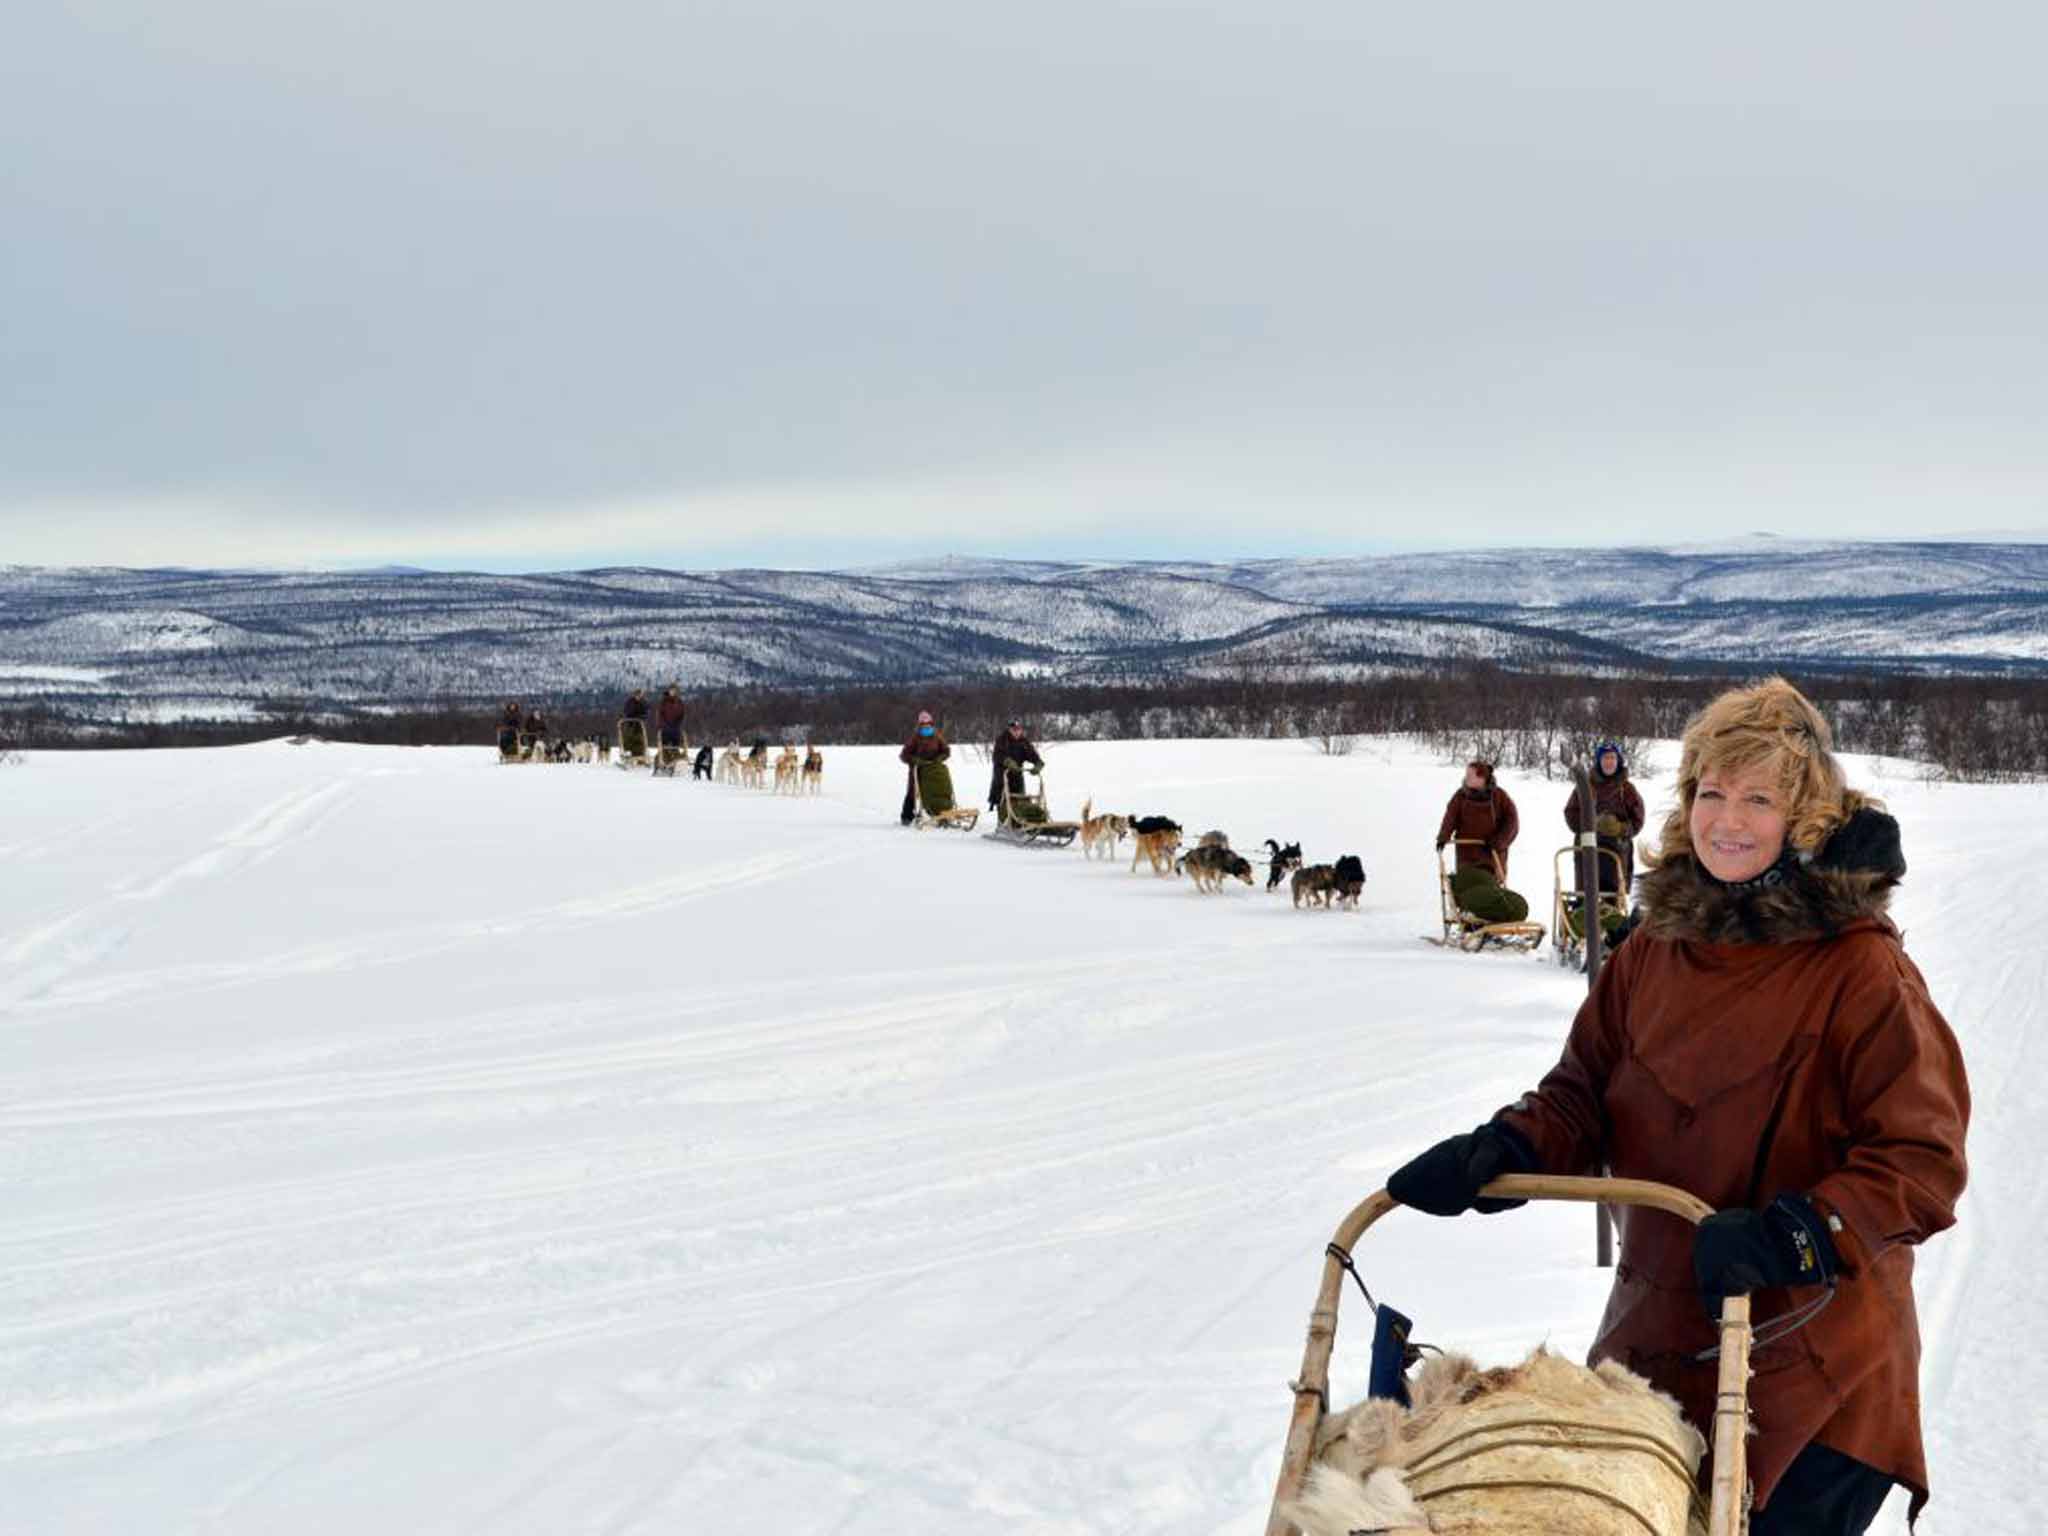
1491 817
1746 1043
930 749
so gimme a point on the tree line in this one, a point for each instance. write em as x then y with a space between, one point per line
1966 728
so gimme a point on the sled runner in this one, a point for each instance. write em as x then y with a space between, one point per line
1022 817
633 744
1582 1468
509 748
1568 903
932 785
1468 930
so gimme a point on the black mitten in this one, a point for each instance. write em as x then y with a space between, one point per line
1446 1180
1738 1251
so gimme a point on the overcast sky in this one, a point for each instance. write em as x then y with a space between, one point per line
534 284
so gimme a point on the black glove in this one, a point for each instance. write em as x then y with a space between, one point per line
1446 1180
1867 843
1738 1251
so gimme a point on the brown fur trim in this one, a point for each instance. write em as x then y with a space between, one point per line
1681 902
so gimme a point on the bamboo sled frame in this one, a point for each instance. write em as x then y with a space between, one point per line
1571 951
1039 834
1727 1513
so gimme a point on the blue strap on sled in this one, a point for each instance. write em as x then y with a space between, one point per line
1391 1352
1389 1378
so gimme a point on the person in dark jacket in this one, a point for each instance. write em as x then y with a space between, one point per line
1011 752
1764 1042
536 730
927 744
1618 815
508 730
669 715
635 707
1481 820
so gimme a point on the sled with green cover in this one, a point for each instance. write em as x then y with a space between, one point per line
1022 817
633 744
1568 903
1474 931
931 784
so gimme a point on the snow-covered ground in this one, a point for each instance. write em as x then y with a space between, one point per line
395 1142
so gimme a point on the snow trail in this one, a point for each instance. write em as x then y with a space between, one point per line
395 1141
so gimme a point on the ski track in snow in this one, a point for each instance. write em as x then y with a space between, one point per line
394 1141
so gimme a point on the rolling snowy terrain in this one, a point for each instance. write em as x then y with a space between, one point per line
397 1142
109 645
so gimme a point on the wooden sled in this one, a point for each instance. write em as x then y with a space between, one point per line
1728 1508
1023 819
1567 902
959 819
668 761
640 758
1463 930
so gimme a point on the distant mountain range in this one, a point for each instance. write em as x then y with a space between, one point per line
137 644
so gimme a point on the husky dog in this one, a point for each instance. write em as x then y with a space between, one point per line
700 765
1158 840
1350 873
814 771
1213 839
1209 864
787 767
1102 832
1316 882
1281 861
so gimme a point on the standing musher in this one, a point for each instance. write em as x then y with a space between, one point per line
668 716
926 747
1764 1042
1482 822
1011 752
1618 815
633 724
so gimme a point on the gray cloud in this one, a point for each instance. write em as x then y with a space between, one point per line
469 281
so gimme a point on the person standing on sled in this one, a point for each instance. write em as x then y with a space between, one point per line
926 745
669 716
1618 815
1764 1042
1012 750
508 729
1482 822
633 730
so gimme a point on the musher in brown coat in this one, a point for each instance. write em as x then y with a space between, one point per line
1480 810
1764 1042
1618 815
668 714
927 744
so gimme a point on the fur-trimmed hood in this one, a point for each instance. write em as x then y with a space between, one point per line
1848 883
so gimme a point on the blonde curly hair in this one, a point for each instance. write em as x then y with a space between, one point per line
1770 723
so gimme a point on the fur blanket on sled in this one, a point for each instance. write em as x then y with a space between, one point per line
1543 1447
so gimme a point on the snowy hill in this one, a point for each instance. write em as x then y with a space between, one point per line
114 644
395 1142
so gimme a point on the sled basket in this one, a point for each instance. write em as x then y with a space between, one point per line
1494 1467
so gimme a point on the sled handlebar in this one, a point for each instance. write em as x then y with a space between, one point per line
1311 1389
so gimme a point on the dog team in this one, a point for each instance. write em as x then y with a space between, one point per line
1157 840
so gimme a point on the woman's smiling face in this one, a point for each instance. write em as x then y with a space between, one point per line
1738 822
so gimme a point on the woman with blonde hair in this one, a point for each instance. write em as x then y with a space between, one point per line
1764 1042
